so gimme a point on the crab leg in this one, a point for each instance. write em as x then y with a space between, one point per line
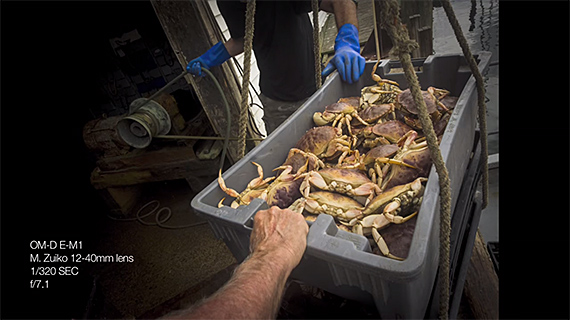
369 189
438 93
393 161
337 119
259 180
360 119
378 170
398 219
379 80
382 245
231 192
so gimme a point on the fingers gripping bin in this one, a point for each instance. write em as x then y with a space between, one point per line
342 262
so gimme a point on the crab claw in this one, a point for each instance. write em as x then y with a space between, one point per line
298 206
231 192
399 219
221 204
351 214
321 119
377 221
407 138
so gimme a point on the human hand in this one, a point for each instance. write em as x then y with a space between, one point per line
215 56
280 235
347 59
195 66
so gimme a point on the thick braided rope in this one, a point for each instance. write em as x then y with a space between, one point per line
316 43
247 47
392 23
480 94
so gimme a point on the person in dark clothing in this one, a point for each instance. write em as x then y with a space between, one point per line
283 46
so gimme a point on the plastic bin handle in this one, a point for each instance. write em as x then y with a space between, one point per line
325 236
248 212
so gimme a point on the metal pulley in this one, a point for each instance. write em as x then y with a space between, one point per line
146 119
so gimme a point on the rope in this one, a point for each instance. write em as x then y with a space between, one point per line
403 45
316 43
247 47
480 95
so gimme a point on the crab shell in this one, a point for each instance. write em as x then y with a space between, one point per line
392 130
283 191
406 102
378 204
419 158
381 151
352 101
324 142
374 113
300 162
449 101
345 181
334 204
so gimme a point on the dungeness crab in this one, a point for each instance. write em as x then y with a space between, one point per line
339 114
407 107
345 181
254 188
325 142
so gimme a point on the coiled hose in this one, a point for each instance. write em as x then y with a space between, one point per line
158 221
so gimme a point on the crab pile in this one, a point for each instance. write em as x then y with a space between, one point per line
365 162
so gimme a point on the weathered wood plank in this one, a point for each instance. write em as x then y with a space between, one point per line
422 11
413 28
408 8
365 27
425 41
168 163
172 171
190 34
148 158
482 284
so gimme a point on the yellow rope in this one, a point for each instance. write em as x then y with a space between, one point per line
402 43
247 47
316 43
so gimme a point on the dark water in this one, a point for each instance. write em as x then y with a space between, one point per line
479 20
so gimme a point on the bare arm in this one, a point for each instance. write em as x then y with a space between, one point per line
255 290
344 11
234 46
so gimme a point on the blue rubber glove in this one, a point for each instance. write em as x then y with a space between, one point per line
347 59
215 56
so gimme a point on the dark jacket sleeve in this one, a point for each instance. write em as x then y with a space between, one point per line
234 15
